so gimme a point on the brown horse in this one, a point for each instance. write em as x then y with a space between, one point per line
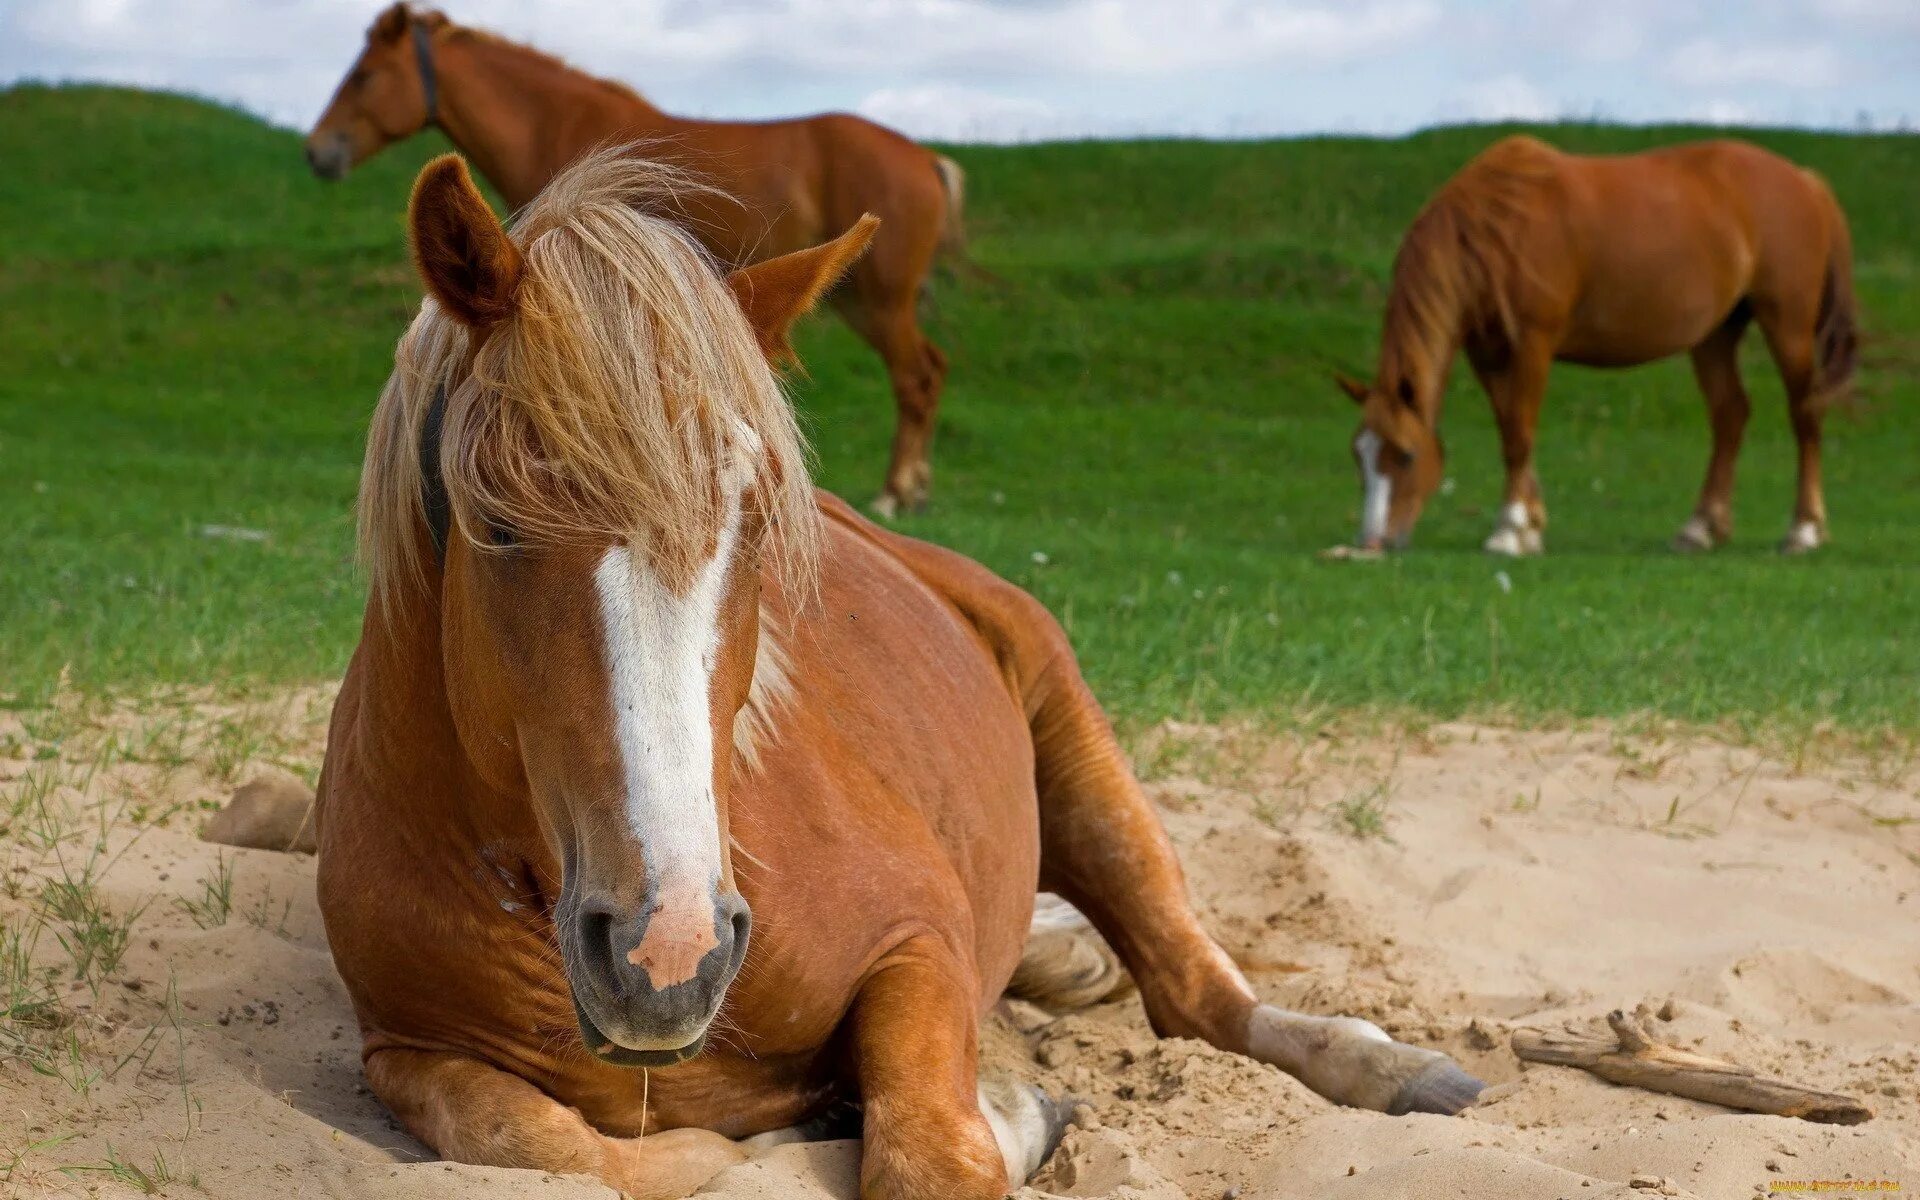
627 686
521 116
1529 256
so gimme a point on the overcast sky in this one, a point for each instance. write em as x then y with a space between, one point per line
1024 69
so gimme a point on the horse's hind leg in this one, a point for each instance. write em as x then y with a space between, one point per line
1716 366
471 1112
1103 849
880 307
933 1129
1790 336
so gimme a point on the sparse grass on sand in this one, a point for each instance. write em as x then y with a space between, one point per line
1139 428
82 780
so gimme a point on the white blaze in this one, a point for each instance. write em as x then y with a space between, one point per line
661 650
1378 493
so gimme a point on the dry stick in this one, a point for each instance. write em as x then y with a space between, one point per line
1635 1059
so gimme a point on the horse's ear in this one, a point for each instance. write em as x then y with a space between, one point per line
390 24
776 293
461 250
1355 390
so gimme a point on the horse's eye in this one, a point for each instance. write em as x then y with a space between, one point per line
501 536
358 79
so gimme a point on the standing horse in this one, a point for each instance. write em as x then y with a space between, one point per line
628 687
1529 256
521 116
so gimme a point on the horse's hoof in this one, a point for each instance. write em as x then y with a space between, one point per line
1804 538
1509 542
886 506
1442 1088
1028 1123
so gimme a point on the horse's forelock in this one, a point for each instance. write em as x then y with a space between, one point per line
624 399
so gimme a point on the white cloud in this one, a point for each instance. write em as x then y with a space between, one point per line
940 112
1900 14
1502 98
1723 112
284 58
1020 68
1709 62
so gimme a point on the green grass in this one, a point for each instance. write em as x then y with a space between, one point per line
193 331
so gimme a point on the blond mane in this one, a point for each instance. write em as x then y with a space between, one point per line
1457 268
626 398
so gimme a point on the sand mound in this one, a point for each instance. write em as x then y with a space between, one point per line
1451 885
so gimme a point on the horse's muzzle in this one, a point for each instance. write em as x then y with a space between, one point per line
329 156
628 1015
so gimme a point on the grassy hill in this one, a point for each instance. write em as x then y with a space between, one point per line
1139 428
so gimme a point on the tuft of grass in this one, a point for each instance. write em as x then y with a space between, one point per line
215 903
94 938
149 1180
1363 813
262 914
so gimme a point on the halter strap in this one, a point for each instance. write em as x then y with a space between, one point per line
433 485
429 83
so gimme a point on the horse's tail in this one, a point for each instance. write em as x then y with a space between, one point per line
1837 333
953 226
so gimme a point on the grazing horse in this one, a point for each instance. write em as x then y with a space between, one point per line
521 116
629 688
1530 255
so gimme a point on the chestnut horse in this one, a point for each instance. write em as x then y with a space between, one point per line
1530 255
629 687
521 116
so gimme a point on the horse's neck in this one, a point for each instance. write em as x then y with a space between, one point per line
1422 333
521 117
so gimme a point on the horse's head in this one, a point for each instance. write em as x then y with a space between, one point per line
387 95
1400 457
614 458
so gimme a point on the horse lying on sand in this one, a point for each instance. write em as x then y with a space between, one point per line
1529 256
628 688
778 186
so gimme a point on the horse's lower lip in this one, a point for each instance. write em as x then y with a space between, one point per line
609 1051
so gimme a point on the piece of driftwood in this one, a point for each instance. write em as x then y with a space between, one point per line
1634 1058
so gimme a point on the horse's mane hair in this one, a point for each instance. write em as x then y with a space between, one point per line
626 398
439 22
1457 268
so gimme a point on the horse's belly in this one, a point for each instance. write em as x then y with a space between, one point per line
1632 318
1662 272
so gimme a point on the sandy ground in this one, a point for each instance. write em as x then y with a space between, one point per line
1452 884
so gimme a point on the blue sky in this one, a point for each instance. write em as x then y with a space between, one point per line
1023 69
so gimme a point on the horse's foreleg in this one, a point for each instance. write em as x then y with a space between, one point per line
1716 366
1516 387
471 1112
1103 848
932 1129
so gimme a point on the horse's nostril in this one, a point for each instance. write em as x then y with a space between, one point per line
596 942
